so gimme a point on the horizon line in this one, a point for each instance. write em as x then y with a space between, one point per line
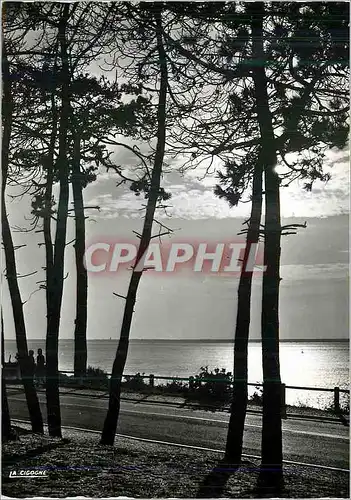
329 339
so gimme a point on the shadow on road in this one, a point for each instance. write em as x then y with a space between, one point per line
8 459
214 483
270 486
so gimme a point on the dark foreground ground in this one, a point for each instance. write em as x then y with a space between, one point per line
79 466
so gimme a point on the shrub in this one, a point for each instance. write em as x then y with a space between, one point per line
257 397
66 380
176 386
213 385
96 378
134 382
345 408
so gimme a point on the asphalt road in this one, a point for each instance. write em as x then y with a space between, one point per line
308 441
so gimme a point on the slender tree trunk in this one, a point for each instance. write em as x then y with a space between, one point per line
49 251
6 432
10 260
5 421
111 421
272 454
21 339
55 282
235 434
80 331
272 445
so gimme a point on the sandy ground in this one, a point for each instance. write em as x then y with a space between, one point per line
79 465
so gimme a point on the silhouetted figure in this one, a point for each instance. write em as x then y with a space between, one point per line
40 372
31 363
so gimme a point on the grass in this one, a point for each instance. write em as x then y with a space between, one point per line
81 466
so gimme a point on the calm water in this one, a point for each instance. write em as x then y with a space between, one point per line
311 364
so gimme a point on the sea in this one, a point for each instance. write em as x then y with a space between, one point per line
322 364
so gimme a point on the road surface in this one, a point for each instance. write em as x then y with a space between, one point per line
308 441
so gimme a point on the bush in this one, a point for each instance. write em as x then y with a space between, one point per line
96 378
134 382
213 385
345 408
176 387
67 380
257 397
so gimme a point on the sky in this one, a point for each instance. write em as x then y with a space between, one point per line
314 288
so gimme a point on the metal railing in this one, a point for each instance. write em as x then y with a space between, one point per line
193 380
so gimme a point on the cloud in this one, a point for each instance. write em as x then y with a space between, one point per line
326 198
328 271
193 197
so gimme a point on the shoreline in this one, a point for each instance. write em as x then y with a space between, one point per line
169 399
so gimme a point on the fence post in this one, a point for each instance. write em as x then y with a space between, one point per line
283 400
152 380
337 399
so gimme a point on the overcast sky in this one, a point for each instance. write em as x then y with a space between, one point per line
314 289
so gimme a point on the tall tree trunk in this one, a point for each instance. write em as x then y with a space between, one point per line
10 260
5 421
80 331
111 421
49 251
6 432
235 434
272 454
55 282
